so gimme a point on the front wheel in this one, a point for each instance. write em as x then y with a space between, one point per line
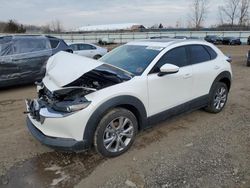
116 132
218 98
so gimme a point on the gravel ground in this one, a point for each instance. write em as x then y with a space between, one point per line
197 149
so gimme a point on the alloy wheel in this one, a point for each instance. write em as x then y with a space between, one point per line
220 98
118 134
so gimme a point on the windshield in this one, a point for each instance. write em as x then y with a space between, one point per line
132 58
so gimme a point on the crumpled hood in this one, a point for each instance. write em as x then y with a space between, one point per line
63 68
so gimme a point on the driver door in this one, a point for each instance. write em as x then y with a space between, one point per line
171 90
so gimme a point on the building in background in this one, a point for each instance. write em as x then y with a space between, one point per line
111 27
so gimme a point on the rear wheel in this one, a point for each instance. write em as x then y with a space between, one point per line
116 132
218 98
248 63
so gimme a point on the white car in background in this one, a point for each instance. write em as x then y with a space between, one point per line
88 50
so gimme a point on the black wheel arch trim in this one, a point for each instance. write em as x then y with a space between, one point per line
223 75
120 101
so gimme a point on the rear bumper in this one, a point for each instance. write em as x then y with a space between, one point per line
63 144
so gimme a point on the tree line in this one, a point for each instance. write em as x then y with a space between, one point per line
232 14
13 26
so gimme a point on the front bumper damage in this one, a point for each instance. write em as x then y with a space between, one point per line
37 116
63 144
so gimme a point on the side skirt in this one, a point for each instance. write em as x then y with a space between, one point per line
186 107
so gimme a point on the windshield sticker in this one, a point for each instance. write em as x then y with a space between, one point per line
154 48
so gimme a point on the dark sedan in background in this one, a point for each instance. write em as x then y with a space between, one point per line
231 41
23 57
214 39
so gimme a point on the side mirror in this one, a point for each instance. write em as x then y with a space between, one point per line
168 69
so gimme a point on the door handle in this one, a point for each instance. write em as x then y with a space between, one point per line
188 75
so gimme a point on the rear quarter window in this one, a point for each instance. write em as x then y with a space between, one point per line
198 54
54 43
212 53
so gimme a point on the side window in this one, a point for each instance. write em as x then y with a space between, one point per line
212 53
198 54
82 47
27 45
86 47
53 43
93 47
176 56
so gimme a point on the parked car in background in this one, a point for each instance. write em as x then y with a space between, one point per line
180 37
105 103
88 50
214 39
106 41
23 57
231 41
159 37
194 38
248 40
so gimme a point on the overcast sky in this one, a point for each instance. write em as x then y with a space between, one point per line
76 13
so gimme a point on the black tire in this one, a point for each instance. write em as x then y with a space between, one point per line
213 106
97 56
248 63
70 51
104 131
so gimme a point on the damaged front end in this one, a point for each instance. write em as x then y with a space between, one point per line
70 98
65 98
56 104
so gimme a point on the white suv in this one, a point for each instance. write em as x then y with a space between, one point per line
83 102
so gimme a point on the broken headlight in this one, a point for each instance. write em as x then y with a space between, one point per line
71 106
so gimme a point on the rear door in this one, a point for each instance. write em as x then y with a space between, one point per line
30 55
205 68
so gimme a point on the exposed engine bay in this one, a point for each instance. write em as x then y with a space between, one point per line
72 96
96 79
